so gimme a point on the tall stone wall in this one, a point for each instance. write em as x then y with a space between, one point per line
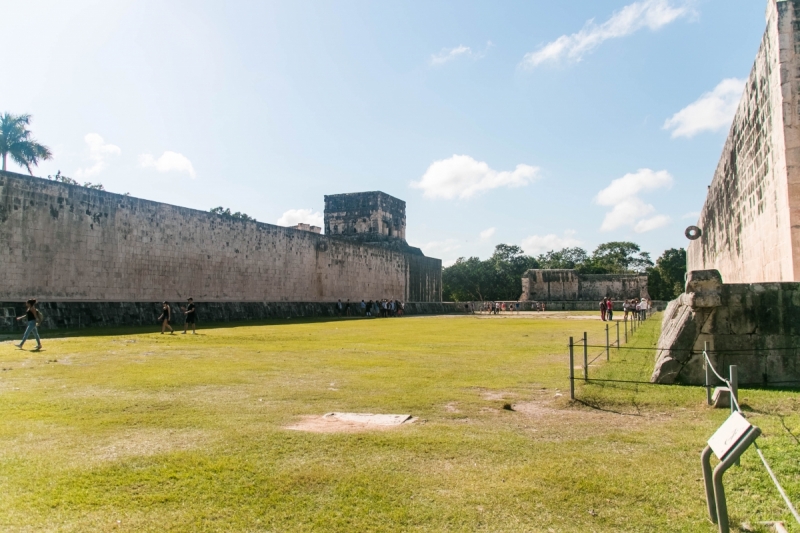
64 243
751 217
555 285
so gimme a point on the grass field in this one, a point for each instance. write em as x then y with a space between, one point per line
137 431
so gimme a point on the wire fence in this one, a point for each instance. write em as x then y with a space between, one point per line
629 328
621 332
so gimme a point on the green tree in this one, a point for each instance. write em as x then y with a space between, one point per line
666 279
61 178
16 141
467 280
497 278
566 258
617 257
226 213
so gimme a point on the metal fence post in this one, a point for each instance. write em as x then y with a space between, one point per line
617 334
571 369
626 330
585 358
608 349
708 374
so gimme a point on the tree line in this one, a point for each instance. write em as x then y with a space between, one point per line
500 276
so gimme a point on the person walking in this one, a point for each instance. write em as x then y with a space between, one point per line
603 309
191 317
609 309
166 315
363 307
339 308
33 318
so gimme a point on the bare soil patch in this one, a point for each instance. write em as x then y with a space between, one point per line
350 422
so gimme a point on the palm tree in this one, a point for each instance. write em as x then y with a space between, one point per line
16 141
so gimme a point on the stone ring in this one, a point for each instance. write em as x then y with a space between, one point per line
693 233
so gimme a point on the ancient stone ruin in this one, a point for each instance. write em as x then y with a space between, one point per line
750 238
568 289
109 257
755 326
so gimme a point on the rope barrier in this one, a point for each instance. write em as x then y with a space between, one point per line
758 450
777 484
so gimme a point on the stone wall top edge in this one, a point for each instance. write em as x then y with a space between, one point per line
153 203
767 285
188 210
588 277
360 193
740 111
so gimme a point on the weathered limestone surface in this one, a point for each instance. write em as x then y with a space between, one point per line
755 326
365 216
65 243
751 217
556 285
74 315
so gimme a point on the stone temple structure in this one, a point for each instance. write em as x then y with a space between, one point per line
742 293
567 289
368 217
103 258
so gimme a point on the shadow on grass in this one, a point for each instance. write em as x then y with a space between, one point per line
596 406
113 331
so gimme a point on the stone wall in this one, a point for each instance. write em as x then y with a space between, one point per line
77 315
554 285
66 243
755 326
365 216
751 217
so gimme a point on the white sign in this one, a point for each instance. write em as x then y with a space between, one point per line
728 434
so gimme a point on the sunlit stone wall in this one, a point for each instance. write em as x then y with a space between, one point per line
66 243
751 217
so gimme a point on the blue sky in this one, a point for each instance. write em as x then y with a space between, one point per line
535 123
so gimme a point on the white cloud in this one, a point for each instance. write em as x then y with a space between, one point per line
487 234
292 217
99 154
692 214
168 162
463 177
442 247
449 54
627 209
537 244
647 224
445 249
713 111
651 14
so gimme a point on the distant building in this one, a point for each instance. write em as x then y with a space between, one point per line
368 217
563 285
307 227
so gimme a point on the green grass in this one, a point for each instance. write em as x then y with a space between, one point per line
137 431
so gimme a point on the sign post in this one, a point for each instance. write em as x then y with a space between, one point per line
728 443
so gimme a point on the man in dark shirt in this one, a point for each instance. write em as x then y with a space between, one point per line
191 317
